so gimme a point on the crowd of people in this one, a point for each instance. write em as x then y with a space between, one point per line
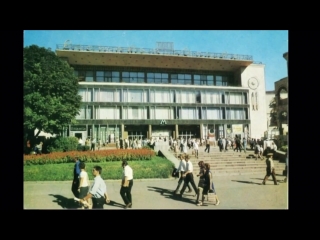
96 193
205 183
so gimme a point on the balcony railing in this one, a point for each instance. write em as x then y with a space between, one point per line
134 50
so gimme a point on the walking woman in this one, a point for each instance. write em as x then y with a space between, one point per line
211 185
201 183
208 185
84 182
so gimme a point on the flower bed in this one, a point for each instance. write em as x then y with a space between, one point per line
90 156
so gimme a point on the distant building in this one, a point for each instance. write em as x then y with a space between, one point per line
152 93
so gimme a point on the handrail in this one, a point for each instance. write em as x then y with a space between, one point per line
135 50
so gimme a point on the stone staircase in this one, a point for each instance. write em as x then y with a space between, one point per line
230 162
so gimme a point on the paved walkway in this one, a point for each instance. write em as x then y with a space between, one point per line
235 192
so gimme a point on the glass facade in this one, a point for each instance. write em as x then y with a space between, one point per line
206 98
218 79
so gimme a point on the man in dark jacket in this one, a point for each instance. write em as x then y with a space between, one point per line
76 182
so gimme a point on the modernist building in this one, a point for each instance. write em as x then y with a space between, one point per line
162 92
281 89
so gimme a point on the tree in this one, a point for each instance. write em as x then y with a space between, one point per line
51 99
273 112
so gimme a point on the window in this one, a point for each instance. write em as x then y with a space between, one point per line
82 113
158 96
221 81
106 95
203 80
186 97
99 76
134 113
233 113
107 113
134 95
133 77
218 80
181 79
212 97
86 94
161 113
157 77
188 113
212 113
89 76
235 98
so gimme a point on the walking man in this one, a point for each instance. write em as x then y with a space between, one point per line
97 190
93 144
270 170
207 145
182 170
76 181
126 184
188 177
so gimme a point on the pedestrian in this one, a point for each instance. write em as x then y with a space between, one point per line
93 144
188 177
126 184
39 148
97 189
220 144
207 145
270 170
244 143
196 148
258 151
76 173
210 187
84 182
182 170
98 144
185 147
201 182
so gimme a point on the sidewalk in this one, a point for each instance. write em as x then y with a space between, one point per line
235 192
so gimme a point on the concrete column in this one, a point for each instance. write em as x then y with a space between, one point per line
122 130
201 131
149 131
177 131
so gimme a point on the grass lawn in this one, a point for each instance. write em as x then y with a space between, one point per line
158 167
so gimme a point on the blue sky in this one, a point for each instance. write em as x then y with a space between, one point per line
266 46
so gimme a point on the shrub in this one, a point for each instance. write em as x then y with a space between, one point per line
63 144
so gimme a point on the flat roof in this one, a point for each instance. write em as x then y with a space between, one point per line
152 58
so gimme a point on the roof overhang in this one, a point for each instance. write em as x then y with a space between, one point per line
151 61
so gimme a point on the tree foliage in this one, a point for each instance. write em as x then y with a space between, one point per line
51 98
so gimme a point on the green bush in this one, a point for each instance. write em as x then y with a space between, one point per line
83 148
63 144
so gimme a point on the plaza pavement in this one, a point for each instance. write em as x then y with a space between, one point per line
235 192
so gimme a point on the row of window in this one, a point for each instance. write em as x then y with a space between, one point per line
98 112
143 77
162 96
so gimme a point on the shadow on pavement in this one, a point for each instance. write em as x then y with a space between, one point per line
249 182
170 194
66 203
115 204
269 179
